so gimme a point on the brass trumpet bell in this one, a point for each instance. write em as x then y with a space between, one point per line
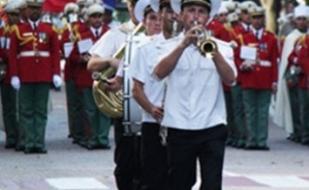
207 47
205 44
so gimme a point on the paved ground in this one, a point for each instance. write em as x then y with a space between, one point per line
69 167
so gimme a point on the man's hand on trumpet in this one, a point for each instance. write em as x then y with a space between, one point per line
192 35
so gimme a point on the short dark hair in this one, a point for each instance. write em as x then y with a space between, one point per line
147 10
164 3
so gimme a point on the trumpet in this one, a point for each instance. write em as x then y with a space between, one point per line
205 44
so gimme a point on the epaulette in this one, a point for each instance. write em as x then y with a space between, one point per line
301 41
6 29
230 29
59 31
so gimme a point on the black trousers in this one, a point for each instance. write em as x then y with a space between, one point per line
154 158
127 158
185 147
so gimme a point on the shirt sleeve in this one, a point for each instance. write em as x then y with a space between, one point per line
106 46
138 69
119 72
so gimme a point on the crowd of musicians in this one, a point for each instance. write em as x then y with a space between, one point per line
192 103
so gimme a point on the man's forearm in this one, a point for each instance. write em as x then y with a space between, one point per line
225 71
140 96
97 63
167 64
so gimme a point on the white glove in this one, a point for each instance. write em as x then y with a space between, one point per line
15 82
57 80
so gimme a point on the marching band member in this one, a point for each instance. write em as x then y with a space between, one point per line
286 104
260 78
303 58
194 108
297 75
99 124
14 135
149 94
102 56
69 36
240 29
35 62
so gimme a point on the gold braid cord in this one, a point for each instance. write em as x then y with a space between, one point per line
241 39
76 32
24 40
301 41
230 29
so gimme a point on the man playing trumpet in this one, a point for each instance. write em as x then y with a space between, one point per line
194 109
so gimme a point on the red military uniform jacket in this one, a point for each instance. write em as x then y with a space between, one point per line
264 74
5 34
218 30
300 57
34 53
239 33
83 76
69 37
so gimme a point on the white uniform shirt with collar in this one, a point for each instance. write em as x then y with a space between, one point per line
32 23
93 30
257 33
110 42
194 97
136 41
141 69
246 26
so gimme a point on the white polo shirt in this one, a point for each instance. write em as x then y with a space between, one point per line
111 41
146 58
136 41
194 97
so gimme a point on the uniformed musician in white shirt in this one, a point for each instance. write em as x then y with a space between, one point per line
149 94
102 57
194 108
